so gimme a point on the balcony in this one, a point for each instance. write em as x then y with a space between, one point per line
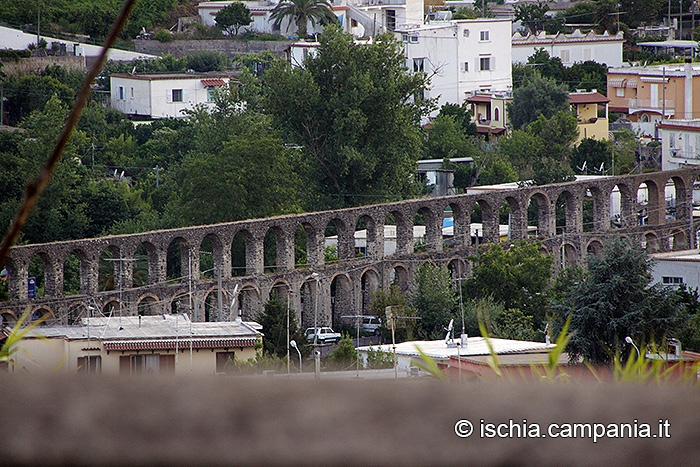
640 105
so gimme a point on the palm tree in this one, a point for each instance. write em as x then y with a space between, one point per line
302 12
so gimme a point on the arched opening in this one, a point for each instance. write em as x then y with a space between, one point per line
483 226
398 237
648 209
144 254
39 270
45 315
418 233
369 284
272 249
78 311
399 278
538 215
595 248
148 306
590 215
111 308
427 231
7 318
568 255
111 269
215 307
301 246
178 261
650 243
249 302
678 240
457 268
565 213
182 303
74 272
238 253
206 259
677 207
341 300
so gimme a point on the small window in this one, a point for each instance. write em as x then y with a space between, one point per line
565 56
132 93
90 364
418 65
671 135
413 39
225 361
211 94
404 37
484 36
466 66
620 92
495 114
465 33
121 93
177 95
672 280
485 63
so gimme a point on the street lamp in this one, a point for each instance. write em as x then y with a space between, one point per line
293 343
317 354
629 340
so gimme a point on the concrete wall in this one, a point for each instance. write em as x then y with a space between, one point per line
39 64
277 421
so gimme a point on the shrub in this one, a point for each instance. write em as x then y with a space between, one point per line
163 35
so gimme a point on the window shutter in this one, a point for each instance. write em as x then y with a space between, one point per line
169 96
492 63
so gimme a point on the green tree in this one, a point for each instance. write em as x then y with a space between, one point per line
273 319
352 112
302 12
540 96
232 17
532 15
516 277
594 153
344 356
615 301
434 300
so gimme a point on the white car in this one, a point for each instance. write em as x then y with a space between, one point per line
371 324
325 335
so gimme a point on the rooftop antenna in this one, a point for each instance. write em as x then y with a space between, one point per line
449 338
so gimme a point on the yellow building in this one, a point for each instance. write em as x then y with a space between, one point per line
591 112
137 344
489 112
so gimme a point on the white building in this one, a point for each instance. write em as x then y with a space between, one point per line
361 18
680 143
677 267
163 95
460 57
571 48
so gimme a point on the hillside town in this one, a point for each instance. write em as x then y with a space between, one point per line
312 196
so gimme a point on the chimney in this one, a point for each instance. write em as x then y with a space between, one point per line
688 91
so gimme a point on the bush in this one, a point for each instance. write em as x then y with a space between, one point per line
344 355
378 359
163 35
10 55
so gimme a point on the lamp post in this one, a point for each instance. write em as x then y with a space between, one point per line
629 340
293 343
289 294
317 354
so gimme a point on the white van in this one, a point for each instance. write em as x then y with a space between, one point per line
371 324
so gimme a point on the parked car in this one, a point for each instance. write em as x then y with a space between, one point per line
371 324
325 335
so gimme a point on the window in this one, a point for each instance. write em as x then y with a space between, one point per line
413 39
465 33
485 63
586 55
672 280
484 36
224 359
391 19
418 65
132 93
565 56
671 137
90 364
148 363
495 114
177 95
121 93
466 66
211 94
620 92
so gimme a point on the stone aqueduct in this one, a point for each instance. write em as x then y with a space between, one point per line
570 219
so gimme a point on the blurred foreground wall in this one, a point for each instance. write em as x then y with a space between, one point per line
256 421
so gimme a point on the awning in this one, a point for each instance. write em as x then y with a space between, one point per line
631 83
213 82
616 82
170 344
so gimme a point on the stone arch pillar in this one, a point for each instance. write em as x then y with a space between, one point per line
255 256
285 249
315 247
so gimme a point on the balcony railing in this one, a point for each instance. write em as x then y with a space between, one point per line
648 104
